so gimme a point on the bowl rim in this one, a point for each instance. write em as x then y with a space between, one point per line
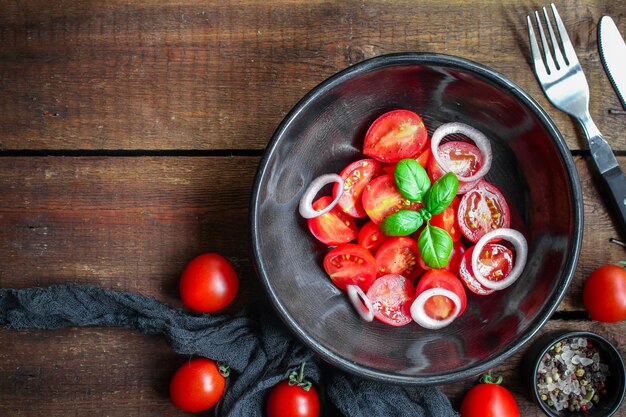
453 62
551 338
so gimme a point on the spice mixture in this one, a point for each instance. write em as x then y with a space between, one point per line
571 376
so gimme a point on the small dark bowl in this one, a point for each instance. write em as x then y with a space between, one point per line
616 384
324 132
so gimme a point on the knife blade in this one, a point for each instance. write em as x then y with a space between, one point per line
613 55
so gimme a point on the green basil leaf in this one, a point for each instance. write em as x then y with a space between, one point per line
411 179
401 223
435 246
441 194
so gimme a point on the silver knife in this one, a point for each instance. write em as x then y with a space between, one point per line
613 54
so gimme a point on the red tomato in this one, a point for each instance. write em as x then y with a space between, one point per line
208 283
334 227
391 297
290 398
350 264
398 255
395 135
382 198
439 306
446 220
422 158
495 263
489 400
604 294
462 158
197 385
370 236
482 210
356 176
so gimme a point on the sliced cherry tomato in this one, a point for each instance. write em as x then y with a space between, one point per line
604 294
208 283
350 264
370 236
334 227
495 263
464 159
197 385
482 210
441 307
398 255
422 158
391 297
382 198
356 176
447 220
395 135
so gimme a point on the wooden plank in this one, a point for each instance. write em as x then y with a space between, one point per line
220 75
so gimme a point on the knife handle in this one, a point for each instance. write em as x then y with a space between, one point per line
615 183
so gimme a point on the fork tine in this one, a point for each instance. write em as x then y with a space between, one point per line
558 55
568 49
540 67
546 48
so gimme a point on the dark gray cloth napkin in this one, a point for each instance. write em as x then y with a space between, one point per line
254 343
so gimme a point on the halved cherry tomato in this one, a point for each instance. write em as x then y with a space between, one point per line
350 264
398 255
382 198
482 210
370 236
391 297
334 227
356 176
464 159
447 220
441 307
422 158
395 135
495 263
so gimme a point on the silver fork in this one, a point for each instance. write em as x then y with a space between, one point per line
564 84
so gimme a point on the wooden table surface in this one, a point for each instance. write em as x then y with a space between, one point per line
130 133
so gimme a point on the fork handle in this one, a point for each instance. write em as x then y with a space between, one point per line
615 183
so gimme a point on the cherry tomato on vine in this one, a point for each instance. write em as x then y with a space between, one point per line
293 397
604 294
197 385
489 399
208 283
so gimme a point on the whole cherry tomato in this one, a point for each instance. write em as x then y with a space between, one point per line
489 399
293 397
197 385
208 283
604 295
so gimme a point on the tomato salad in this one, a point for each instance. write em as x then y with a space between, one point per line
414 223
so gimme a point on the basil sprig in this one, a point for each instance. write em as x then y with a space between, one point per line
434 244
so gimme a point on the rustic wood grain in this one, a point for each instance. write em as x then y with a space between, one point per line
221 75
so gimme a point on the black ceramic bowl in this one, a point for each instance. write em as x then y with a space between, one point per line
324 132
608 403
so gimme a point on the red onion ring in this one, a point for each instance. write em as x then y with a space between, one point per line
521 253
306 202
481 141
360 302
419 314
